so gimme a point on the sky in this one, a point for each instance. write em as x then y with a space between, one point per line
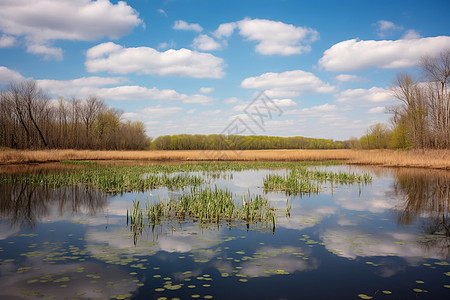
319 69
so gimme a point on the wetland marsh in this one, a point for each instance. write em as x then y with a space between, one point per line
258 230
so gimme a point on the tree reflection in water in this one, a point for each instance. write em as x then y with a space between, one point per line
426 196
25 205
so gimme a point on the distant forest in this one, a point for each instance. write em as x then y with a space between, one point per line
30 119
240 142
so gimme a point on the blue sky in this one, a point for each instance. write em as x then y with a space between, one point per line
194 66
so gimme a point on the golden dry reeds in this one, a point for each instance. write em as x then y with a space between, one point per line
436 159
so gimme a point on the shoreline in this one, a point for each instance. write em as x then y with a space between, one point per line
429 159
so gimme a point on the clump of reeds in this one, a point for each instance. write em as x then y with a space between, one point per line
330 176
304 181
290 184
207 205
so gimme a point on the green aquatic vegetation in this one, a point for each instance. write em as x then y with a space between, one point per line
118 179
290 184
330 176
207 205
110 179
300 180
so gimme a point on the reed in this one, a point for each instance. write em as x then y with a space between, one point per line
107 179
206 205
304 181
437 159
290 184
330 176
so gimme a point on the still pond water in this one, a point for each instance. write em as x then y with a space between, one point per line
388 240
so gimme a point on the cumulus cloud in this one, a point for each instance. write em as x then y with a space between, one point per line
225 30
8 75
277 37
288 84
110 88
42 21
365 96
354 54
272 37
113 58
205 43
182 25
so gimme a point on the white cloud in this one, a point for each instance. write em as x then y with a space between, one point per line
288 84
277 37
182 25
231 100
81 87
162 11
205 43
353 54
42 21
386 28
206 90
48 52
348 78
314 111
159 111
365 96
387 25
280 103
411 35
113 58
8 75
7 41
225 30
283 103
377 110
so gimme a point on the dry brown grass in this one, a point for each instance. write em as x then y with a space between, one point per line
436 159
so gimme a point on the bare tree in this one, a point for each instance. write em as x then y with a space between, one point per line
89 112
437 71
413 110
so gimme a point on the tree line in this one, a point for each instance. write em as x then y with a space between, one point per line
422 119
240 142
29 119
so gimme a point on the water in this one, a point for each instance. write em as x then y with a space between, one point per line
386 240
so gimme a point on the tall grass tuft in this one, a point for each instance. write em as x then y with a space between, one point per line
207 205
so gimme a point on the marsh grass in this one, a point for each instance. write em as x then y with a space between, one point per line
330 176
290 184
304 181
107 179
119 179
437 159
206 205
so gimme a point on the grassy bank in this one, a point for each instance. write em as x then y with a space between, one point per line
435 159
